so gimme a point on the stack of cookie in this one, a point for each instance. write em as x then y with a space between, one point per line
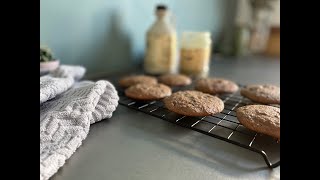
143 87
203 100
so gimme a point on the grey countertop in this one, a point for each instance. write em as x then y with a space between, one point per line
132 145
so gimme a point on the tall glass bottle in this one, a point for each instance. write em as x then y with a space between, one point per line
161 45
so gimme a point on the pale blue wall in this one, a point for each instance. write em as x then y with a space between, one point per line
107 35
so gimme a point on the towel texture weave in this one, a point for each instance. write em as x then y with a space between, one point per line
67 108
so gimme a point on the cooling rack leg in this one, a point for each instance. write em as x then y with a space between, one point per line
275 164
266 159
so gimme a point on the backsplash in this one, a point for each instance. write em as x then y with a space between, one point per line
109 36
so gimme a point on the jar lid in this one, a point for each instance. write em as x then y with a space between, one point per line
195 39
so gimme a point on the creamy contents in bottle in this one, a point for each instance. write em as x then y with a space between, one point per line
161 53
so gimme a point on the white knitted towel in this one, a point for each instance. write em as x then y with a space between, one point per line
66 114
59 81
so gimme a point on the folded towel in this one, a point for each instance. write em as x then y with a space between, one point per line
67 108
59 81
76 72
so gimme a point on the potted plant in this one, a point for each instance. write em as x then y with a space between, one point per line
47 61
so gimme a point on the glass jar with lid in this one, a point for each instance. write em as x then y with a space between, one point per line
195 53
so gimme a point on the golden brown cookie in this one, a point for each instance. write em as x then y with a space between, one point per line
216 86
136 79
144 91
193 103
175 79
265 94
260 118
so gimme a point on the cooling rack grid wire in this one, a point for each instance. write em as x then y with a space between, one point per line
224 126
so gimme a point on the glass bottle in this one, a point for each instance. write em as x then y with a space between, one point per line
161 55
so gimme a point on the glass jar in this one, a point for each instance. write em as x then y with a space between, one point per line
195 53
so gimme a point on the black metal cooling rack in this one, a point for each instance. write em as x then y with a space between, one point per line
224 126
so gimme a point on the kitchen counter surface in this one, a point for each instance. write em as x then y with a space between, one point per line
132 145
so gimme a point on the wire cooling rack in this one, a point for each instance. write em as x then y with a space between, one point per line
224 126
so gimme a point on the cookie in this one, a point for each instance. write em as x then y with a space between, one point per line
193 103
260 118
175 79
136 79
265 94
216 86
144 91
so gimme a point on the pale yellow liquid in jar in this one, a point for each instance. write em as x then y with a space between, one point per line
195 62
195 54
160 53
